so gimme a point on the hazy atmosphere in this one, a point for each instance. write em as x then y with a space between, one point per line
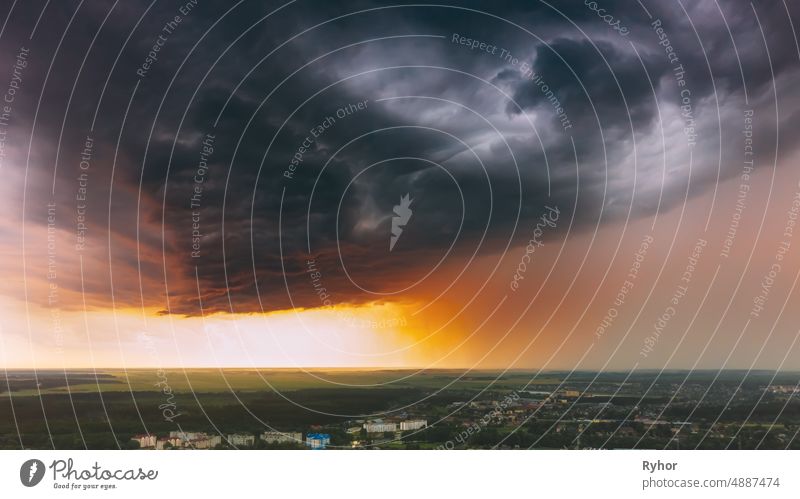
367 184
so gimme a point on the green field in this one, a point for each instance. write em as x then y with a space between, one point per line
242 380
103 409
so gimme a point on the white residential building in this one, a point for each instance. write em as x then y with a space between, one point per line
241 440
187 435
145 441
204 441
380 427
413 424
278 437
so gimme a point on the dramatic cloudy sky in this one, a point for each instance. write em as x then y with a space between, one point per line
630 124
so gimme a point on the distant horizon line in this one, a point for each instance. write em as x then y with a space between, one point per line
345 369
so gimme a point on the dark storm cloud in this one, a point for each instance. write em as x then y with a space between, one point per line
582 74
259 222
